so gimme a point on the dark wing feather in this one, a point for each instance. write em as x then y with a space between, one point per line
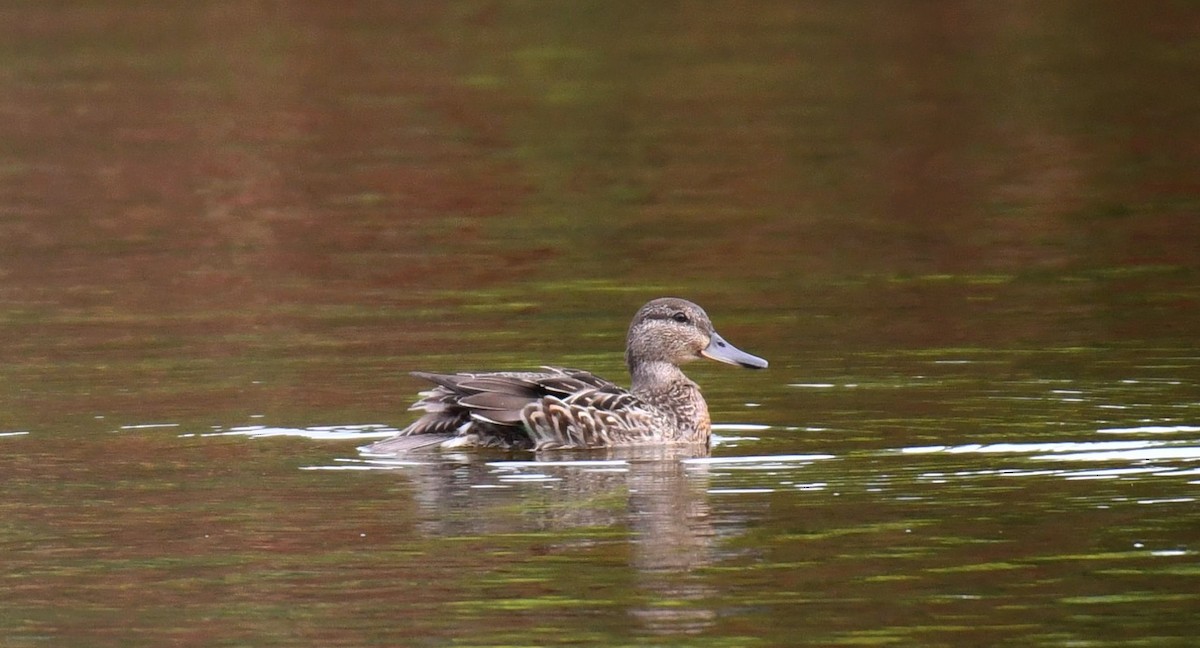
514 386
562 385
449 381
495 407
581 378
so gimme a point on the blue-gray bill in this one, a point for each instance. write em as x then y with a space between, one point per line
720 350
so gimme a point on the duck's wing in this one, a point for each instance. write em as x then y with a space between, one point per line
489 409
501 397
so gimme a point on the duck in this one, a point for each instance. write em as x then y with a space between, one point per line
557 408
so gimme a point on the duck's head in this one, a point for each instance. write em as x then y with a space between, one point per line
677 331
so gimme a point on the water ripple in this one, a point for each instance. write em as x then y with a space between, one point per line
316 433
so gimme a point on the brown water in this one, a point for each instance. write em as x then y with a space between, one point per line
965 234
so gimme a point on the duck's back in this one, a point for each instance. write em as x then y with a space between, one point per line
554 408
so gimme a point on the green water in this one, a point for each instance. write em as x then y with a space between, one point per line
964 235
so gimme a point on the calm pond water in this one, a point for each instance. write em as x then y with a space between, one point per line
964 234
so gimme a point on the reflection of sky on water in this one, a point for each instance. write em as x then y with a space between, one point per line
1156 457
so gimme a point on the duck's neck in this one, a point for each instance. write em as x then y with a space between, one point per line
664 386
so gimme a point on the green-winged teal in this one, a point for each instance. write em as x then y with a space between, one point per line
561 408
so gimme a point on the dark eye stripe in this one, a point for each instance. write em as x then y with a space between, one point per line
677 316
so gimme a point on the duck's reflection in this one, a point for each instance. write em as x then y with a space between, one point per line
673 536
653 492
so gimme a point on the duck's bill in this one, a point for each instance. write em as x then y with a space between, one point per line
721 351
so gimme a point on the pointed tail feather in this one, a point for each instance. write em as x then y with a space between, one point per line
402 444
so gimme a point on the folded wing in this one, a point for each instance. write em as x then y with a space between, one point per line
554 408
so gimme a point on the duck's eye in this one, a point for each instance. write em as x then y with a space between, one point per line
680 317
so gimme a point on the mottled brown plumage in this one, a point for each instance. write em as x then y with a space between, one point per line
559 408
